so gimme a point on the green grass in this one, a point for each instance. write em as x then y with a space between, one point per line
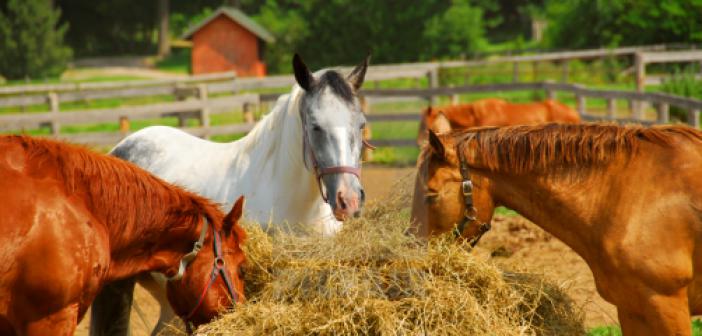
178 61
615 331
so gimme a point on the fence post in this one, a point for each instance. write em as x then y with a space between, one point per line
640 64
455 99
366 153
248 114
124 125
466 77
566 69
611 109
581 104
433 83
550 94
181 94
515 72
204 109
693 118
54 107
663 112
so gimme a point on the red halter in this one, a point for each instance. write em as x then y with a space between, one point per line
219 268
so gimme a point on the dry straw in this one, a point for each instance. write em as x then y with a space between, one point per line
371 279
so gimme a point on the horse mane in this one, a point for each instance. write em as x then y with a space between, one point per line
521 149
123 195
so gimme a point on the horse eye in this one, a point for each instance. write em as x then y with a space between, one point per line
242 273
430 198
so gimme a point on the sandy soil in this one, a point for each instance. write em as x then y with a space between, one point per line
513 242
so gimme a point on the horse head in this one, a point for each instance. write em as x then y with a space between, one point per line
332 124
211 280
446 196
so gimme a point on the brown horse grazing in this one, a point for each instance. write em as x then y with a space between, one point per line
73 220
628 200
497 112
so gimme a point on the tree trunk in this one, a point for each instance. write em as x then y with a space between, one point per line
164 46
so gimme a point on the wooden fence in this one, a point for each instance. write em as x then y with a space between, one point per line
200 97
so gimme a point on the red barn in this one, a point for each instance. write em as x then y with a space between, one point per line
228 40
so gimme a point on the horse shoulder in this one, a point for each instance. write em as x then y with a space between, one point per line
52 239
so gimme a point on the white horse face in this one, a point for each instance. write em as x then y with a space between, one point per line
332 126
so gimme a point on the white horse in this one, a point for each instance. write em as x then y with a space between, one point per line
299 165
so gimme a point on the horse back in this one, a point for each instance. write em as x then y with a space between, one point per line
559 112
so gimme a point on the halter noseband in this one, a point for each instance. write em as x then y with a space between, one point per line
219 268
321 171
469 214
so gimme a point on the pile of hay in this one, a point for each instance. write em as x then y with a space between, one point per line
373 279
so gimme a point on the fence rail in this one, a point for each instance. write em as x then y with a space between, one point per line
194 97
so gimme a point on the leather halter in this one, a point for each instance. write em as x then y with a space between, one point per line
469 213
219 268
321 171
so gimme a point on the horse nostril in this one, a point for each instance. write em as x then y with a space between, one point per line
340 201
363 195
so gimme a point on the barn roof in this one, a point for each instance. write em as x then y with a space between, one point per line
236 16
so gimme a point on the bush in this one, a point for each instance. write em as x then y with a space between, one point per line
31 41
682 84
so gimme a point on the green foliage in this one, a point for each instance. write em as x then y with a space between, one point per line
110 28
596 23
31 41
289 27
615 331
682 83
178 61
455 32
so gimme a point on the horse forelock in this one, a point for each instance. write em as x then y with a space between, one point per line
542 148
337 83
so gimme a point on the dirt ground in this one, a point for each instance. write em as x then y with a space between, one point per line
514 242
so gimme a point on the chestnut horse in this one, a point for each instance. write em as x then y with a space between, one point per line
497 112
628 200
73 220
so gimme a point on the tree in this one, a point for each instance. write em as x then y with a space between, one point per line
597 23
456 32
31 41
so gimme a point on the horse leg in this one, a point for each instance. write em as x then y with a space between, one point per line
111 309
155 284
631 323
62 322
658 315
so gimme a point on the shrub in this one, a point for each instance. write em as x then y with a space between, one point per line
31 41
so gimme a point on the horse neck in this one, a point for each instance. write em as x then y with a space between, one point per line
561 204
275 150
150 241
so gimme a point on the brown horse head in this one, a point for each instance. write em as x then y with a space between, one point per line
439 203
197 297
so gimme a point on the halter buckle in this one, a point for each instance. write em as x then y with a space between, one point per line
219 263
467 187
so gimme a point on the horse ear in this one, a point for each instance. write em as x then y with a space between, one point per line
303 76
233 217
436 145
441 124
358 74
